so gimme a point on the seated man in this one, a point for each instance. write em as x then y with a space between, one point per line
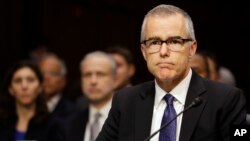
125 65
98 71
54 72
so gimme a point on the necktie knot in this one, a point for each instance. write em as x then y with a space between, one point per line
169 99
97 116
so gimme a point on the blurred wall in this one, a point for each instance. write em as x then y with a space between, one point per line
75 27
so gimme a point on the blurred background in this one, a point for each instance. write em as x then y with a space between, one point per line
72 28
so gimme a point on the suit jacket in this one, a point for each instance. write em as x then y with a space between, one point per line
63 108
42 131
73 128
132 109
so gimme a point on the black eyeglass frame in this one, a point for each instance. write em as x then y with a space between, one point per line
184 40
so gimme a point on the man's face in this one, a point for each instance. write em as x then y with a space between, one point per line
124 71
212 69
54 81
197 63
166 65
97 79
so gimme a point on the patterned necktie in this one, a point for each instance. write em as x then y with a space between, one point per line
95 127
169 132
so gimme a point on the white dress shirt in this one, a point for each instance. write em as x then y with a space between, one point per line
180 93
52 103
104 111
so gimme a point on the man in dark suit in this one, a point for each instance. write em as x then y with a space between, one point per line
54 72
167 44
98 73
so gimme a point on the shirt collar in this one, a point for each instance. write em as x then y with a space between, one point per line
52 102
103 111
179 91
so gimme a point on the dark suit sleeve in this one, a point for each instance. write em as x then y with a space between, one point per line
60 132
110 128
233 112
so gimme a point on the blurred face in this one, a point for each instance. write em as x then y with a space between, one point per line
25 86
124 71
168 67
197 63
212 69
97 79
54 81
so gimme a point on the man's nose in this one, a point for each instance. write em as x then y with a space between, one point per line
164 50
93 79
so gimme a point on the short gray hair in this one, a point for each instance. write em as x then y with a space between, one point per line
168 10
63 68
95 54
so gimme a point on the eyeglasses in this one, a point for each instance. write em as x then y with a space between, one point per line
51 73
174 43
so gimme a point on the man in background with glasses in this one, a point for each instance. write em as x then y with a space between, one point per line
167 44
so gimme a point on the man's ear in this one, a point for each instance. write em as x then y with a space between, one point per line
40 90
192 49
11 92
131 70
143 52
64 82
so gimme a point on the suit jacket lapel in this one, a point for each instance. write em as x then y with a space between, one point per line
144 111
79 126
191 116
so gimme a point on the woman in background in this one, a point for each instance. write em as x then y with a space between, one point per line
23 112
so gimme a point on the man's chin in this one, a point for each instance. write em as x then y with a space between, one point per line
165 77
95 99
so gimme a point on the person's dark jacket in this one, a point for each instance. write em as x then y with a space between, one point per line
38 131
130 117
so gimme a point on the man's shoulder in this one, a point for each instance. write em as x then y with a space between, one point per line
220 92
134 92
218 86
211 86
78 115
142 87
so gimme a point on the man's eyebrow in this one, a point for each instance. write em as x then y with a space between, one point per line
158 38
154 38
